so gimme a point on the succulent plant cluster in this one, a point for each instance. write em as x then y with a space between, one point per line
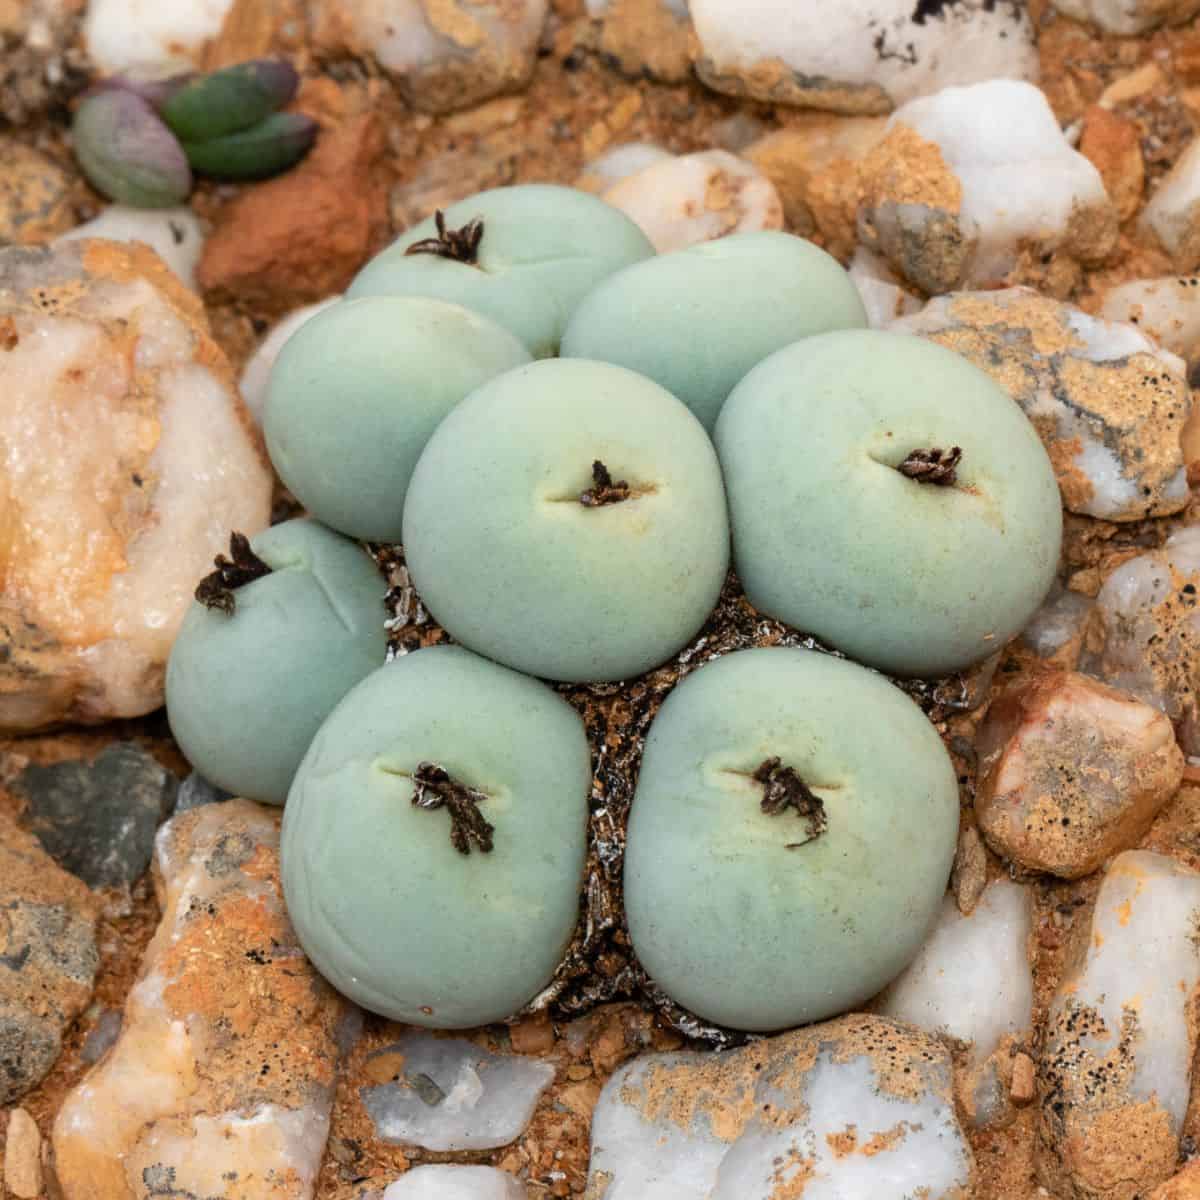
573 438
139 142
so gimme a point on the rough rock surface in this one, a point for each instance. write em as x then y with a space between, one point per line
48 959
858 56
1114 1074
954 198
1172 215
35 194
1071 772
302 236
1166 309
1112 145
455 1183
443 54
105 359
174 234
678 202
39 64
971 983
22 1156
448 1094
98 819
858 1106
225 1064
815 166
645 37
1109 404
1056 631
883 293
1129 16
1144 636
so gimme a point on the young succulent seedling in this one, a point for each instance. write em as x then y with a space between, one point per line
434 839
791 835
126 151
280 631
524 256
274 144
229 100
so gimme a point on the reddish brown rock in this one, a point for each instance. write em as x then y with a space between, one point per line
48 959
224 1068
35 195
1113 146
1072 772
302 236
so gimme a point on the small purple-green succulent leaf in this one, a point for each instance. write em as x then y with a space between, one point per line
127 153
274 144
156 92
230 100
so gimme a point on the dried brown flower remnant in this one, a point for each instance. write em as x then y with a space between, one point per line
603 489
461 245
244 566
784 789
434 787
933 466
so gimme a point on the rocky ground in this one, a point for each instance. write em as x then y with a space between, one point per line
160 1032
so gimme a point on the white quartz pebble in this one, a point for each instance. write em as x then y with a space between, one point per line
257 372
1120 1038
1172 215
854 1107
882 290
444 55
1147 631
451 1095
1056 629
679 202
859 56
154 37
971 979
455 1183
1166 309
1129 16
619 162
175 234
1022 181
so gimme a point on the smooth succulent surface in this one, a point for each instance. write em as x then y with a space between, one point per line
392 914
697 320
356 393
831 536
755 920
516 563
248 689
543 248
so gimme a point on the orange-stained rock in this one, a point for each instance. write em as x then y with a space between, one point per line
1072 771
1112 144
48 959
128 458
224 1068
1184 1186
303 235
35 195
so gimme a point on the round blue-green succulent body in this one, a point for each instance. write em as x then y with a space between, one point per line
542 249
389 911
916 578
247 690
357 391
697 320
514 563
758 921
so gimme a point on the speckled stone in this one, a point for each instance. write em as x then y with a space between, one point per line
48 959
225 1062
